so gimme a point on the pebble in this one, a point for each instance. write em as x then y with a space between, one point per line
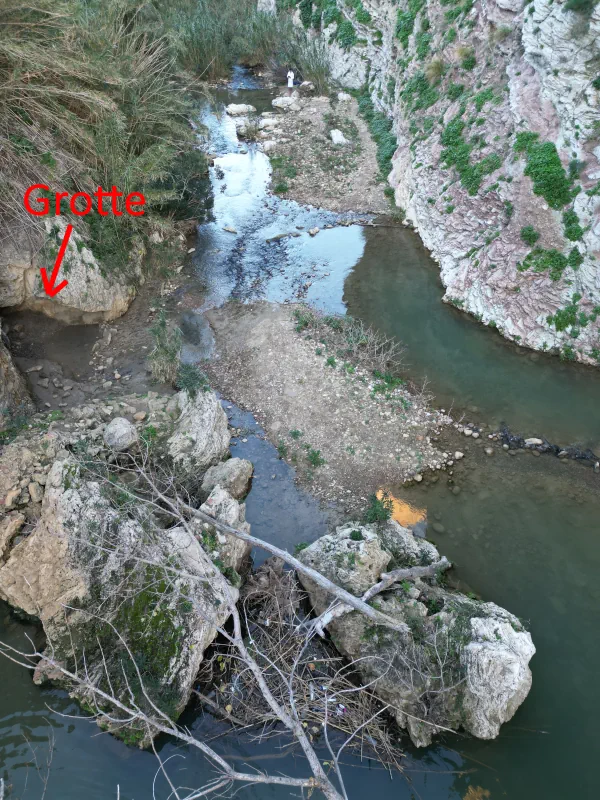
458 455
489 451
475 435
456 490
505 447
468 432
438 527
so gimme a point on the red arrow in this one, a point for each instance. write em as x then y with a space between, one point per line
49 287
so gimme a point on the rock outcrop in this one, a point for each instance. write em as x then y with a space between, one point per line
201 437
495 110
463 663
14 397
103 571
93 293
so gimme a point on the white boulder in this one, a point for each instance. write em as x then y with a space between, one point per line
120 434
240 109
337 137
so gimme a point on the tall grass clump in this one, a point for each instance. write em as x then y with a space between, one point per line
92 94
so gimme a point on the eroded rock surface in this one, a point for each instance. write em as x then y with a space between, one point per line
93 294
201 437
464 663
100 568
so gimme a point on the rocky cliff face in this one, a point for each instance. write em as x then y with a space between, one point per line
495 107
93 294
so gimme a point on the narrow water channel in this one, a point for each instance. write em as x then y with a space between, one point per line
523 531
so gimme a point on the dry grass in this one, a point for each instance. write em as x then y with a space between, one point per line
326 689
90 96
352 340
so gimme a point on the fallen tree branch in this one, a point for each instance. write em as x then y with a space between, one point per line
355 603
387 580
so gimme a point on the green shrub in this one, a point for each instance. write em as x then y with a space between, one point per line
568 316
315 459
573 229
346 35
164 358
423 42
552 261
575 259
455 90
191 379
483 97
545 169
381 130
469 62
529 235
404 27
379 509
418 93
305 8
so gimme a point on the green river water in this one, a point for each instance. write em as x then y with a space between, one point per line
523 532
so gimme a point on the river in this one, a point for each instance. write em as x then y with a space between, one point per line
523 531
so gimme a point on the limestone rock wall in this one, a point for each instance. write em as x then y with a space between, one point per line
94 293
461 81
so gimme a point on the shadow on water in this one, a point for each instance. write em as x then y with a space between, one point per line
395 286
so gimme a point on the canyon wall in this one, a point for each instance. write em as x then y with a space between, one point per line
496 110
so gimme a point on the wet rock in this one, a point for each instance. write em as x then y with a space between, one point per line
36 493
120 434
57 567
313 231
288 103
91 295
229 229
231 551
9 527
14 397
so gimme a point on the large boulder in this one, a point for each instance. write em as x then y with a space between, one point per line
463 663
233 475
292 103
102 578
120 434
92 295
201 436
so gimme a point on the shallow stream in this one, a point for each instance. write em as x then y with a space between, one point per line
523 531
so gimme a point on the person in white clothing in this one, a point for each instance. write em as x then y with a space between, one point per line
290 80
